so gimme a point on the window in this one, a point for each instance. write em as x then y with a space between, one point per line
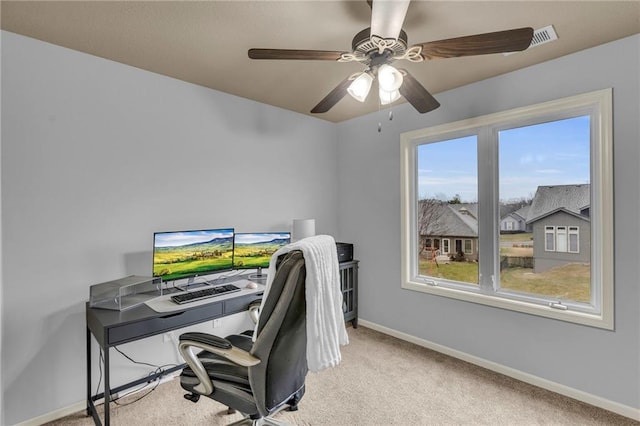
557 239
550 164
574 240
468 248
549 238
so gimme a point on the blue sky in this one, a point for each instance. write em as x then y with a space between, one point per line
553 153
173 239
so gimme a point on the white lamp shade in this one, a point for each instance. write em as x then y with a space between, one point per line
388 97
303 228
360 87
389 78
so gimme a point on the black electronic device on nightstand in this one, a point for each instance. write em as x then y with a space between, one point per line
345 252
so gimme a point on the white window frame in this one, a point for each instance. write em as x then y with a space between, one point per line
599 312
549 231
562 239
446 246
573 230
464 248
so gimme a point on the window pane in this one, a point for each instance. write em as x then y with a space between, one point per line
447 182
561 239
550 238
468 247
545 180
574 244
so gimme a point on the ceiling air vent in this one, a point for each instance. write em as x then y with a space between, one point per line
540 36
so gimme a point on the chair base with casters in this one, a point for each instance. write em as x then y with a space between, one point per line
262 377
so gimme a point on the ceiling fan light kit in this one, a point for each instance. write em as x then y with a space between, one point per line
388 97
361 86
384 43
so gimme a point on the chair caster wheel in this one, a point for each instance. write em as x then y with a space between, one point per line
193 397
230 410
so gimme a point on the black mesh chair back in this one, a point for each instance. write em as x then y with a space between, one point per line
277 379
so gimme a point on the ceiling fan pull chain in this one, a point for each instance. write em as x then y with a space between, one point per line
390 115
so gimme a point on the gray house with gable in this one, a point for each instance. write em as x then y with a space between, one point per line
516 221
559 216
448 229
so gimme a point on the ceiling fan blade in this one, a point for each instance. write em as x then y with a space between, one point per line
416 94
333 97
387 17
323 55
479 44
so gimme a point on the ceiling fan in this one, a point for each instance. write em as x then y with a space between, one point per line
385 42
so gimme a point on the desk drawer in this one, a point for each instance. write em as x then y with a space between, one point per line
239 304
149 327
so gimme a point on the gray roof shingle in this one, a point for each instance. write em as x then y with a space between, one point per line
548 199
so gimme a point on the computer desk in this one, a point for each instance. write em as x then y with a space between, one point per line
111 328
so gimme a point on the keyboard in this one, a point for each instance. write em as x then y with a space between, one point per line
205 293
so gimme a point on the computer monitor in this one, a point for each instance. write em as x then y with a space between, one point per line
189 254
254 250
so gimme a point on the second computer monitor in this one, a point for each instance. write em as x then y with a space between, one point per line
253 250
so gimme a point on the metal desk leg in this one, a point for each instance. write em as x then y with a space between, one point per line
89 396
107 387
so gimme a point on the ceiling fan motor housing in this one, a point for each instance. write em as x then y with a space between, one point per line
363 43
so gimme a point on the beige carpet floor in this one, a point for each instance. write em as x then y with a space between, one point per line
382 381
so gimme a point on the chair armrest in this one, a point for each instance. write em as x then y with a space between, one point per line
254 310
213 344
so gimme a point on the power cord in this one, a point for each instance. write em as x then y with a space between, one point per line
157 369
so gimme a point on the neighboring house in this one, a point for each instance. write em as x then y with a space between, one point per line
516 221
559 216
448 229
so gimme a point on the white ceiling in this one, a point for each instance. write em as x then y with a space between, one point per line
206 42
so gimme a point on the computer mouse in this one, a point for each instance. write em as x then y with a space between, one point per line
251 284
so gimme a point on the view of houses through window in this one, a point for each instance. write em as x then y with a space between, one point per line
543 207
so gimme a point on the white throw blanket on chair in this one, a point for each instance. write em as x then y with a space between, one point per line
325 319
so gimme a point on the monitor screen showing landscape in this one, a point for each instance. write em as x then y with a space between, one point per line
254 250
184 254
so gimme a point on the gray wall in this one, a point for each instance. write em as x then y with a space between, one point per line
599 362
96 156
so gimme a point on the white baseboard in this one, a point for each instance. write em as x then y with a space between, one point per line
54 415
623 410
79 406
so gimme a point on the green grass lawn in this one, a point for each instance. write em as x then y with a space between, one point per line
466 272
568 282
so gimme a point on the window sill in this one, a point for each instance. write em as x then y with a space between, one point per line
509 302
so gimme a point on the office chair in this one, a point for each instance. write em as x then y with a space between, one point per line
257 378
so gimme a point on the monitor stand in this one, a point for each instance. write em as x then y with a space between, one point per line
258 275
191 284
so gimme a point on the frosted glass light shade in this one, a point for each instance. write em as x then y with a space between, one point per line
388 97
360 87
303 228
389 78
